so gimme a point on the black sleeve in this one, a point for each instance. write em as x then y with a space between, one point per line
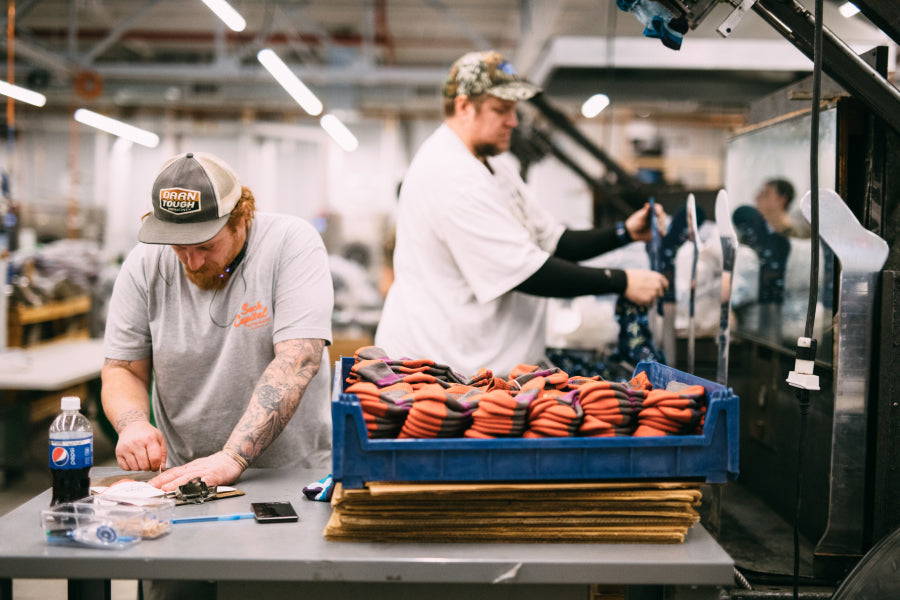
582 244
558 278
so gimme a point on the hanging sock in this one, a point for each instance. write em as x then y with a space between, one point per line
635 341
659 22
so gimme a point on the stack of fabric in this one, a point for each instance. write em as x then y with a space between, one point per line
635 512
405 398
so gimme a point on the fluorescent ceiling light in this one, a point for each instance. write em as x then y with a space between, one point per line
22 94
129 132
594 105
229 16
339 132
848 9
289 81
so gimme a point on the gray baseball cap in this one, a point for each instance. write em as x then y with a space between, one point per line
487 73
192 198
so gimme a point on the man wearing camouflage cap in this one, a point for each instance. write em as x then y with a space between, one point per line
475 256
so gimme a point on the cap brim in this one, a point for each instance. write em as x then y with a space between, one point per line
514 91
155 231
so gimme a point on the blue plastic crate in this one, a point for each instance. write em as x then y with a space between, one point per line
710 457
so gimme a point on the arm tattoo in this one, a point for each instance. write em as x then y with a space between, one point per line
277 395
130 417
112 362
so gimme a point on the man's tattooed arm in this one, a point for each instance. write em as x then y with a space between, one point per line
125 391
277 395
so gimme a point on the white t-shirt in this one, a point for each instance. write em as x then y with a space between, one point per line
465 238
209 348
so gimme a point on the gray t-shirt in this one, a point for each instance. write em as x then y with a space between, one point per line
209 348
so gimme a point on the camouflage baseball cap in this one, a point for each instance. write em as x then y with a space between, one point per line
487 73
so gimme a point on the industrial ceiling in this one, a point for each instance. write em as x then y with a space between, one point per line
388 57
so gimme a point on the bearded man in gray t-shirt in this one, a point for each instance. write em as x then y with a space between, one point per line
221 317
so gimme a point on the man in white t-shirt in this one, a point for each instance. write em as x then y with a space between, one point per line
475 256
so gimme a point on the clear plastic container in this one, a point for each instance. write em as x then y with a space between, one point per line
99 522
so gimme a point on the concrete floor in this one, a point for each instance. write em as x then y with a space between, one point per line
20 487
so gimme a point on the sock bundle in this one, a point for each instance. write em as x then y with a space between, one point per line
409 398
554 413
500 414
438 413
372 364
384 409
672 413
610 409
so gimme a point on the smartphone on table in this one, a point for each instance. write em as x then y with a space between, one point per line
274 512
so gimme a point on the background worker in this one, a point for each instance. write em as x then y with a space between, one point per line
475 256
225 314
772 202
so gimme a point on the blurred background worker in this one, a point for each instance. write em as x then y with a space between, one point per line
773 202
475 256
227 313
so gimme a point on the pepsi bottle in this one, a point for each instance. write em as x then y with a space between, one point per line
71 452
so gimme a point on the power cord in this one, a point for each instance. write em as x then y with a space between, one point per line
802 376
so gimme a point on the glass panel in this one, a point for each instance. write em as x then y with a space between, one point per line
771 284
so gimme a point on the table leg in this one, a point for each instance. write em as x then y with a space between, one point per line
88 589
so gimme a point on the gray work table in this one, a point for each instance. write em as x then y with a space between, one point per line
52 366
278 559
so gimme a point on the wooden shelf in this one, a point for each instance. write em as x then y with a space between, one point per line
56 320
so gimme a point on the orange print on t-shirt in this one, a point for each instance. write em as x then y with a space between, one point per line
253 316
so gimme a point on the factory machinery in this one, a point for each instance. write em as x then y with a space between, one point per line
825 460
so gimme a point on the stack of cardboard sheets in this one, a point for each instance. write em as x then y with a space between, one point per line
630 512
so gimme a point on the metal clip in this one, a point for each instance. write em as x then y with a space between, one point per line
195 491
732 20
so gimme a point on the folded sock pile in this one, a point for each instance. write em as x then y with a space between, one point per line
554 413
438 413
672 412
500 414
384 409
421 399
610 409
372 364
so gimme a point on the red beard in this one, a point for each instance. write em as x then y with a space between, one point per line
208 277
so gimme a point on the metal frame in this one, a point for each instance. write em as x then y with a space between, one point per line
839 61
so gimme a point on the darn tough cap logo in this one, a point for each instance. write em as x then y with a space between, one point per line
179 201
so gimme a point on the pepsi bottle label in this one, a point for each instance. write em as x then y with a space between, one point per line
72 454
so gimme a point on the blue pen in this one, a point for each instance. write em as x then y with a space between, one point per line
202 519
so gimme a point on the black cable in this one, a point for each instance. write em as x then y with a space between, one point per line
803 394
814 173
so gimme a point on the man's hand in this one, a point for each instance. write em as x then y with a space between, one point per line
141 447
638 224
217 469
645 287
